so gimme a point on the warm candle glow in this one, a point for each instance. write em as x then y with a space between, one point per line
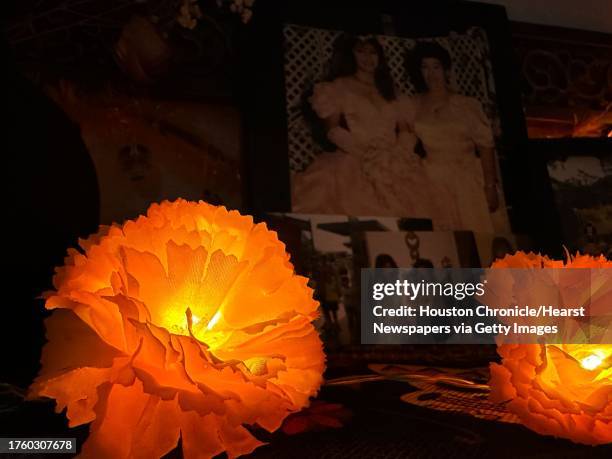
214 320
592 361
564 389
188 324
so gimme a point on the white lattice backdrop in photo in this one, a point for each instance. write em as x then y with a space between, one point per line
309 50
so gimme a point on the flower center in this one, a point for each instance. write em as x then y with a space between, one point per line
214 320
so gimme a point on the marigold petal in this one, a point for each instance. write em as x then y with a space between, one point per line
200 436
159 431
65 330
76 390
189 319
239 439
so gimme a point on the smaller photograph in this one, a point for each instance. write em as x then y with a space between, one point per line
330 251
582 187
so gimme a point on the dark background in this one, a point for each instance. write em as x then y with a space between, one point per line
52 199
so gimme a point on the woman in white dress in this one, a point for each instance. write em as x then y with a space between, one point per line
457 143
373 170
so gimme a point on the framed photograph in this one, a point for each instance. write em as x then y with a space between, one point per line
391 110
566 80
582 188
573 175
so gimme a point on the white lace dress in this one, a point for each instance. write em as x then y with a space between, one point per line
451 134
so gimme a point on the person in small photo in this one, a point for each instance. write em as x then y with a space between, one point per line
384 260
455 140
329 293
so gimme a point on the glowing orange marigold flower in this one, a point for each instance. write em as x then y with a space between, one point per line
562 390
534 260
187 322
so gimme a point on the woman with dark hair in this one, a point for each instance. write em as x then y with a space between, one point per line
372 169
455 140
